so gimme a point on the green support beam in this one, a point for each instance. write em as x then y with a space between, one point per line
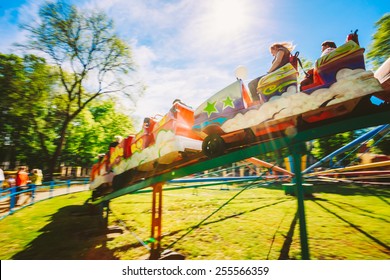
258 149
295 144
297 152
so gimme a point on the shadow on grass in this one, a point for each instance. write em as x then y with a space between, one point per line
362 212
284 252
382 192
74 233
202 223
382 246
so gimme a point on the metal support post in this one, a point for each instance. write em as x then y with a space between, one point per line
51 188
104 211
68 186
33 189
13 199
297 152
155 252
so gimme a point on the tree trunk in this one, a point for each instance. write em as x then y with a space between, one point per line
53 161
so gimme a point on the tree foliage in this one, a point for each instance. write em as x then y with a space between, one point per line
92 131
380 144
90 59
25 88
379 49
30 117
326 145
307 65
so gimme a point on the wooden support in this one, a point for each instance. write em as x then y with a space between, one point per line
259 162
354 167
155 252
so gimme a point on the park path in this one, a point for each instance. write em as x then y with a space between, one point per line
25 199
42 195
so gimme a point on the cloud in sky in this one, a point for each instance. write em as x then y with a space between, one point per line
185 49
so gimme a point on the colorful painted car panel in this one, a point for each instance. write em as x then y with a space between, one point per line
277 82
160 141
222 106
348 56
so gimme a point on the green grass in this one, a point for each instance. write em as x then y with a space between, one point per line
343 222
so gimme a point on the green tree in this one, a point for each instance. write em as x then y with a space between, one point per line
91 60
30 117
326 145
25 88
91 132
379 50
380 144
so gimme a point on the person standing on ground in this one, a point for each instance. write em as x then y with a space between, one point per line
36 177
1 178
22 180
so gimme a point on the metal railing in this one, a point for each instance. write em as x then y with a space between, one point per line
16 198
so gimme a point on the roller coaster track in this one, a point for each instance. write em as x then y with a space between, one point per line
364 115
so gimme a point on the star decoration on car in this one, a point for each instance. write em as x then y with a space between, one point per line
228 102
210 108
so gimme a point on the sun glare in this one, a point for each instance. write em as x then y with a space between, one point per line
226 18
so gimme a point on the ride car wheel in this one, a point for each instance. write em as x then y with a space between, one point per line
213 146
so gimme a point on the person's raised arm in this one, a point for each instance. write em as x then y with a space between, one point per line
277 61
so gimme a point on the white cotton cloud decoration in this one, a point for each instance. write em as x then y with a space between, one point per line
144 159
349 84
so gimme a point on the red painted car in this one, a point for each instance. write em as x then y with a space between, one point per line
161 141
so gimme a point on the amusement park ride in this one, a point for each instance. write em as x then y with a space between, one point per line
235 124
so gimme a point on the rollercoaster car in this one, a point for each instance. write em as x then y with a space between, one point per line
213 118
348 55
230 118
161 141
100 175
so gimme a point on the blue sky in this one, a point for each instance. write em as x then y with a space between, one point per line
189 49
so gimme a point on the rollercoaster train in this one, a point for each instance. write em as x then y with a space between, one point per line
235 117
